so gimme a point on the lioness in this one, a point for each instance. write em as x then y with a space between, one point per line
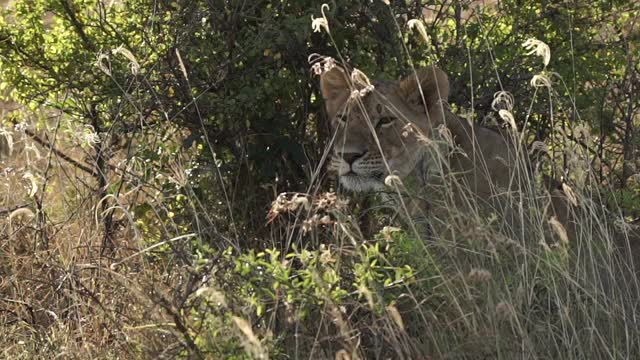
383 133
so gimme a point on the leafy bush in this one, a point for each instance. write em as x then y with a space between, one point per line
143 141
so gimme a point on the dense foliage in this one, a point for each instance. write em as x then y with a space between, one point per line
177 123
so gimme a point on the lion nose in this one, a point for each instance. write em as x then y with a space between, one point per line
351 157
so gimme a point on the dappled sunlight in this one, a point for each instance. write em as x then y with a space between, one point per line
354 180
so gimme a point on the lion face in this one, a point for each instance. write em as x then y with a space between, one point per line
375 135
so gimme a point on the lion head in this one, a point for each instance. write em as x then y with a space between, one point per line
371 129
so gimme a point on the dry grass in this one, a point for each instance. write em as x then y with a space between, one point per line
474 285
149 271
60 294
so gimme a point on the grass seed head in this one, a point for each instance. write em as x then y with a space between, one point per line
538 48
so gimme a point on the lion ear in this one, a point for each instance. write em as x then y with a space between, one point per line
334 86
433 82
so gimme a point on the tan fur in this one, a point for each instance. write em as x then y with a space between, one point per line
419 100
484 164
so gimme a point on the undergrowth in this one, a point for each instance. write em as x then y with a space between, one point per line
134 264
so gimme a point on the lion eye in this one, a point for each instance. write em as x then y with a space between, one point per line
342 118
385 121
